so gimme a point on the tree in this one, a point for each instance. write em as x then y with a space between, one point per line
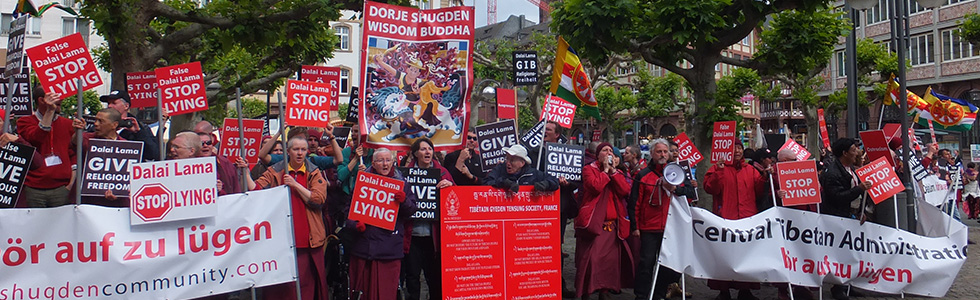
92 104
685 37
493 63
646 96
970 29
250 44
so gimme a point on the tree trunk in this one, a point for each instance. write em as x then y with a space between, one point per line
813 141
703 88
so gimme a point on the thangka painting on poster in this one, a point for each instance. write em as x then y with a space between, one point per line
418 75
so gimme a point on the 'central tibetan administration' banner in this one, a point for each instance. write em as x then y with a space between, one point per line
808 249
248 244
418 68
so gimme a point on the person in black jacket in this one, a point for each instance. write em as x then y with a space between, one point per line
119 100
516 170
841 187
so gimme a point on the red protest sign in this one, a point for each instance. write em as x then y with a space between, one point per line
307 104
506 241
824 135
884 181
801 153
506 104
252 139
686 149
328 75
875 145
142 89
891 131
932 131
799 180
559 111
723 142
59 63
374 200
183 88
596 135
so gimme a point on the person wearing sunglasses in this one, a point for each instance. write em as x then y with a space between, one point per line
227 170
464 164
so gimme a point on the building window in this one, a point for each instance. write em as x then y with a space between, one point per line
841 61
747 41
956 48
343 32
921 49
33 25
915 8
71 25
425 4
948 2
878 13
344 81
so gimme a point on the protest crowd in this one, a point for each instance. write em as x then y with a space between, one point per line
411 141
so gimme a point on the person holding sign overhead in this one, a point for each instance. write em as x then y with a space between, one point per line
376 253
308 191
733 186
601 228
47 186
424 245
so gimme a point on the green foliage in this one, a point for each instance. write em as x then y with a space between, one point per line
251 108
798 42
970 29
342 110
92 104
612 102
657 96
728 104
250 44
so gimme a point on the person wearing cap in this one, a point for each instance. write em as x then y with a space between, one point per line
119 100
50 134
733 186
516 170
601 228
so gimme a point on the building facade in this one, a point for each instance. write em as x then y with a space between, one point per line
939 59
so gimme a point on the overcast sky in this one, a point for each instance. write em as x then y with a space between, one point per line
505 8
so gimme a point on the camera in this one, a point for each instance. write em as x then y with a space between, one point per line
125 123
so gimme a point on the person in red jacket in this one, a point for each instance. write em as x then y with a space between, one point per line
46 186
601 228
733 187
648 205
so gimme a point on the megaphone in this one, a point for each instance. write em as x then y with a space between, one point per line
674 174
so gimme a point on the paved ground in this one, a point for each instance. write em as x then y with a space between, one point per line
966 286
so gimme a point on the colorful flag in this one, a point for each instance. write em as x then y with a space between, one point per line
570 82
946 112
27 7
915 102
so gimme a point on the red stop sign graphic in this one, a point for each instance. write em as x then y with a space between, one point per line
152 202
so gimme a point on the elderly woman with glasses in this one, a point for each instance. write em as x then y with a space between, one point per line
376 253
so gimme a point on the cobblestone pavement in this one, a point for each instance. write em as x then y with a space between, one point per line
966 286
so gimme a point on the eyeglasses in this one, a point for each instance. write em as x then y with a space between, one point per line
472 138
207 143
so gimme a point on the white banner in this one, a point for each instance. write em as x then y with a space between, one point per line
82 252
805 248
